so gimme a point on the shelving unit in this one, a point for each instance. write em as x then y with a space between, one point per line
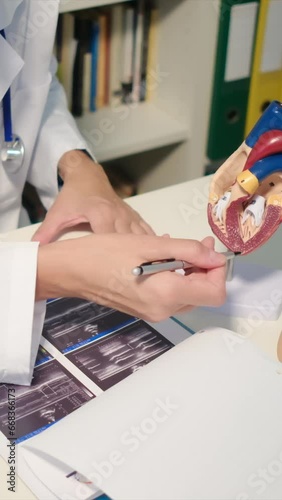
130 130
168 134
70 5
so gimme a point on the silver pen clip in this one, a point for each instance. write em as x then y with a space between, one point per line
230 264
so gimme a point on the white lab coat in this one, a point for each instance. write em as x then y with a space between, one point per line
41 119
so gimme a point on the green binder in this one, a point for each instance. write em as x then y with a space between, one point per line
235 46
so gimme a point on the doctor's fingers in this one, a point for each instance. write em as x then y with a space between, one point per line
54 224
122 222
209 242
132 222
147 228
128 220
203 290
48 230
169 293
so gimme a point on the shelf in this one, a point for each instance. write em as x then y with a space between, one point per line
70 5
178 115
123 131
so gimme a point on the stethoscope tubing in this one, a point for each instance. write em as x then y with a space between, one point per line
7 113
12 151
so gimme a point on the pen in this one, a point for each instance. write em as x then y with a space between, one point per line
169 265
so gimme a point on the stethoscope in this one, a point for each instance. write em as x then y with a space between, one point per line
12 149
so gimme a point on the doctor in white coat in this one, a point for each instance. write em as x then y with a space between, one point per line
96 267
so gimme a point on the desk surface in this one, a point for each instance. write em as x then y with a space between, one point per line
180 210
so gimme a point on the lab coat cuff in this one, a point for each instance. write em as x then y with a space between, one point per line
89 154
21 319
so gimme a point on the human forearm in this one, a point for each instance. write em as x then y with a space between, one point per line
98 268
56 276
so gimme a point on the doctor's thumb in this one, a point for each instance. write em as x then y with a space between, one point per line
48 231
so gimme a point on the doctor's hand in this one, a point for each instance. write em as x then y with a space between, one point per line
98 268
87 196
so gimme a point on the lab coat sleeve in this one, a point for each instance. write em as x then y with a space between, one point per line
21 319
58 134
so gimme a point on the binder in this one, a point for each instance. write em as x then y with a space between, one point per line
127 54
101 95
94 65
116 55
266 79
138 51
236 35
82 33
151 56
67 55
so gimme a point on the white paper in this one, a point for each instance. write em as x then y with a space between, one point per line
255 292
85 349
200 422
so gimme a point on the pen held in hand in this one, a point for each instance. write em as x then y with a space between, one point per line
169 265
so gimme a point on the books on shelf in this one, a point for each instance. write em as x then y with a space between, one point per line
116 37
66 46
150 60
82 33
127 54
94 64
102 63
106 55
137 59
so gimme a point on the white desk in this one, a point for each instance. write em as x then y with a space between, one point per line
181 211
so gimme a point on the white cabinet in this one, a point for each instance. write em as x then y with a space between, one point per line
163 141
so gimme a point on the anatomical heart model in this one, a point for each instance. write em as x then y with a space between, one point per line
245 199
